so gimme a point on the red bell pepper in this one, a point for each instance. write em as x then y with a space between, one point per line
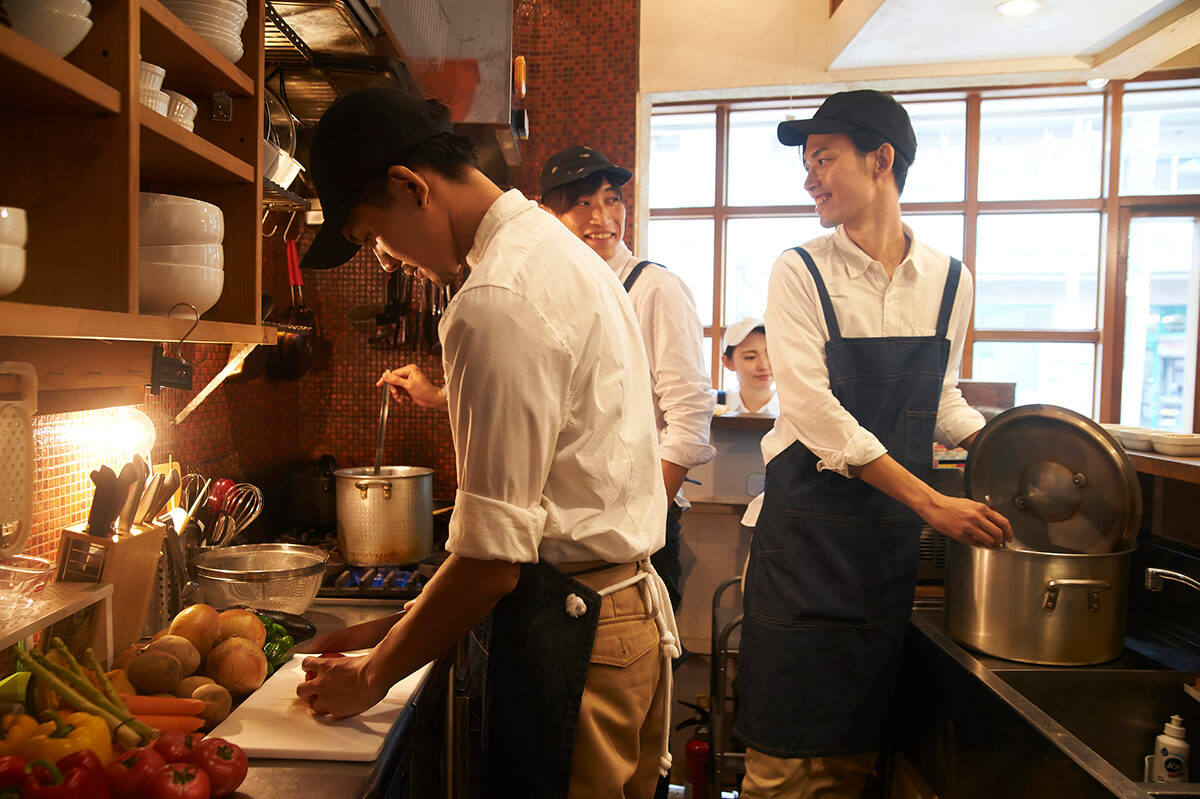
79 775
12 772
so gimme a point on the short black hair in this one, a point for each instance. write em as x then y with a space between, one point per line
561 199
867 142
448 154
757 329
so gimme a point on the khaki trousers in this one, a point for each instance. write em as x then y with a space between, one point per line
841 777
619 737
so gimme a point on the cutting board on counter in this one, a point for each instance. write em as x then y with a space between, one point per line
273 722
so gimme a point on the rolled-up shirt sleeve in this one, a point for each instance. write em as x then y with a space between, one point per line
956 419
507 388
809 412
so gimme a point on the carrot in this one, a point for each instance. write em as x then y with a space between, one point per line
165 723
162 705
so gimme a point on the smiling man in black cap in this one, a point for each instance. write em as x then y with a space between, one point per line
559 500
865 327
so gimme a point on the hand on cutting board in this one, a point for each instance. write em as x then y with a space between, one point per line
337 686
410 378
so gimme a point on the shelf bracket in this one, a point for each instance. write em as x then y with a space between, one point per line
236 356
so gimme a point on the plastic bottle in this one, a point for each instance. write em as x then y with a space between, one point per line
1171 753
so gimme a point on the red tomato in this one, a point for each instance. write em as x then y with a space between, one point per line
129 773
176 746
225 764
179 781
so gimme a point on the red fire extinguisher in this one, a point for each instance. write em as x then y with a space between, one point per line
698 759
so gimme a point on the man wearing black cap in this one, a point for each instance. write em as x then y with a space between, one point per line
559 502
865 327
583 189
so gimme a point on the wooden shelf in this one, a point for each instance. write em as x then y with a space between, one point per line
170 153
47 321
193 65
1184 469
33 78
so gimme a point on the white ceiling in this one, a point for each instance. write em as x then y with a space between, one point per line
907 32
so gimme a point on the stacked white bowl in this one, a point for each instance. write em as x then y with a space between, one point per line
181 257
13 234
150 78
219 22
57 25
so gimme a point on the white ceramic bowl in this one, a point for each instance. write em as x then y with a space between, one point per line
228 47
57 31
150 76
225 13
80 8
1185 445
155 100
1135 438
181 110
170 219
161 286
14 230
284 171
210 256
12 268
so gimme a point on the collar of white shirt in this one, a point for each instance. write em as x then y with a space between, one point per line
857 262
506 206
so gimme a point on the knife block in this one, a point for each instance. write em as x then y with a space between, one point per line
127 560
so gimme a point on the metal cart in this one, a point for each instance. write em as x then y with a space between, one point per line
726 637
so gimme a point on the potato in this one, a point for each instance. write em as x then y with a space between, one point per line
154 671
181 648
217 703
189 684
200 624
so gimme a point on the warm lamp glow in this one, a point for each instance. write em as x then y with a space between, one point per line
1017 8
117 433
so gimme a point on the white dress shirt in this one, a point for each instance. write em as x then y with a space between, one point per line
734 404
674 339
549 401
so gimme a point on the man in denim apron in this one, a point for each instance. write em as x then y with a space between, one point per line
865 329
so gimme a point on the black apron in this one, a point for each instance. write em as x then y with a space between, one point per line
833 561
538 660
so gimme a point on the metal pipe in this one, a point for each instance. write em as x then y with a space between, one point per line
1155 577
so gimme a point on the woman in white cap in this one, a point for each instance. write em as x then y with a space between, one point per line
744 352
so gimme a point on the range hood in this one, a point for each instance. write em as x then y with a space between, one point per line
456 50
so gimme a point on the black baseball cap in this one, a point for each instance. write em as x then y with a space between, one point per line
576 163
358 138
863 109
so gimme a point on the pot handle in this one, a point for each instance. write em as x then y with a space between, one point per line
1094 587
364 486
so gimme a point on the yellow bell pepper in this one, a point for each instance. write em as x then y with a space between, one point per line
60 737
16 730
120 681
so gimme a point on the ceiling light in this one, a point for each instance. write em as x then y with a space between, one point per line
1017 8
1097 83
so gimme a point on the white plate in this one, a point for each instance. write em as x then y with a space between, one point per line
1185 445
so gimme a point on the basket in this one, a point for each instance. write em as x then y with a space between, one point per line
283 577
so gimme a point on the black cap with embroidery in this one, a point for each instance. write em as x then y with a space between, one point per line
864 109
358 138
576 163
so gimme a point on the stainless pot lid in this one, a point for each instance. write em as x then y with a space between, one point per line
1060 479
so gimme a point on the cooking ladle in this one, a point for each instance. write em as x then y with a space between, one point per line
383 416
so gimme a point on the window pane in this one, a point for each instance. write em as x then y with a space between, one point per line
1054 373
683 160
751 247
1040 148
685 246
941 231
1160 142
761 170
1037 271
1162 301
939 172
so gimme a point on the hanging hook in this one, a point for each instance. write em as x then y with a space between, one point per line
291 219
183 338
267 234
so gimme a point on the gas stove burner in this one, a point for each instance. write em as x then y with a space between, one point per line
401 581
376 577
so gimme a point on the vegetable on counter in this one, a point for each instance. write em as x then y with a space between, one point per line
180 781
225 764
176 746
17 728
278 645
167 723
59 737
128 774
162 705
79 775
12 772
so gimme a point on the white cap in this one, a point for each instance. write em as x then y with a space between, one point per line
736 333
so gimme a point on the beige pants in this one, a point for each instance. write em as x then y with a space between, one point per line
619 738
841 777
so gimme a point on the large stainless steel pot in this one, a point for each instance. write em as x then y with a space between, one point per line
384 518
1038 607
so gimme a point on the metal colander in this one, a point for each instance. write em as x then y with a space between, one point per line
283 577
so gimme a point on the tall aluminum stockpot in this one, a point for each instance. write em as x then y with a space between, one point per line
384 518
1048 608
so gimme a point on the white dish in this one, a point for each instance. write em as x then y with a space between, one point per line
12 268
57 31
155 100
285 170
181 110
150 76
225 13
14 229
161 286
170 219
210 256
1184 445
1135 438
78 8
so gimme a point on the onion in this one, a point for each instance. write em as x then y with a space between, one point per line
237 665
200 624
243 624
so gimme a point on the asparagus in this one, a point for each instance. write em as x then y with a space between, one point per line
105 683
85 690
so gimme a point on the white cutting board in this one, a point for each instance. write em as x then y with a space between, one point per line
273 722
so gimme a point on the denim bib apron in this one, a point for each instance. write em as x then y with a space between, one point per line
833 561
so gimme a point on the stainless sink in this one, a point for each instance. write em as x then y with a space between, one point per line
1116 712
